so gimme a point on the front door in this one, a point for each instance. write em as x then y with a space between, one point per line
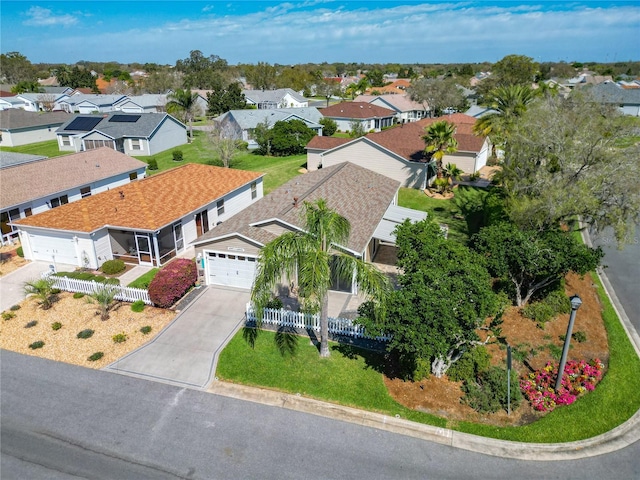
202 222
143 245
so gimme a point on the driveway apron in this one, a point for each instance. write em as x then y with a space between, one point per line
186 351
12 284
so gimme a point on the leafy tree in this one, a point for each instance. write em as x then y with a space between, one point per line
263 136
375 78
184 104
357 88
295 77
329 127
356 129
515 70
15 68
310 257
225 99
25 86
161 80
569 158
530 261
326 87
437 95
290 137
445 296
200 72
261 76
76 77
439 139
42 290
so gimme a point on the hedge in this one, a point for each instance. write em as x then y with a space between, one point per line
172 282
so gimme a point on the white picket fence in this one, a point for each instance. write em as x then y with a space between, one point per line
125 294
299 320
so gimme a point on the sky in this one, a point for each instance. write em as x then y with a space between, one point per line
315 31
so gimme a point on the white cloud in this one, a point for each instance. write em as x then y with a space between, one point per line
43 17
208 8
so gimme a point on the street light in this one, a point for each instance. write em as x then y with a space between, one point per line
575 305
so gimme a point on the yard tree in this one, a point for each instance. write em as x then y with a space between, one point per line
290 137
200 72
356 129
439 139
15 68
261 76
515 70
294 77
445 295
311 257
223 143
569 158
225 99
375 78
184 104
437 95
329 126
76 77
263 136
529 261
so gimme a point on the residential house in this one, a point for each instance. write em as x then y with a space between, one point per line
146 222
39 102
399 152
147 103
13 101
627 100
33 184
239 124
397 86
280 98
134 134
87 104
369 116
228 253
19 127
406 110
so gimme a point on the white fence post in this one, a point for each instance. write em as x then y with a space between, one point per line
127 294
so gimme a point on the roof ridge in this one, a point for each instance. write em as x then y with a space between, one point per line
314 188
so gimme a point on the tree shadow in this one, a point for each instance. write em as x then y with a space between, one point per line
479 210
375 360
250 334
286 340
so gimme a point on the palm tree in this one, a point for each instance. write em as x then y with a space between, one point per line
43 290
440 140
184 103
313 256
104 297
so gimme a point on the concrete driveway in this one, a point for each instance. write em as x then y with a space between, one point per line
185 353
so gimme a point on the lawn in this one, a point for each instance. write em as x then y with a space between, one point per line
47 149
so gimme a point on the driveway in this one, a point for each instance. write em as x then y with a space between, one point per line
185 353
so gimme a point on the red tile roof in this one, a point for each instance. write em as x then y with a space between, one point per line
147 204
356 110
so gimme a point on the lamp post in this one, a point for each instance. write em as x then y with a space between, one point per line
575 305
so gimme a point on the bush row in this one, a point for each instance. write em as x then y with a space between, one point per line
172 282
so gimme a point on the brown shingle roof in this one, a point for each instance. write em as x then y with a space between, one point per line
28 181
359 194
147 204
15 118
356 110
326 143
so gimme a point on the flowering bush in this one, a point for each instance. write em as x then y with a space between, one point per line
172 282
579 377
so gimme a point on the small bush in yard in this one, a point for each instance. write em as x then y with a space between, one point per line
56 325
137 306
95 356
470 365
146 329
85 333
111 267
14 308
8 315
177 155
153 164
20 252
119 337
38 344
30 324
172 282
78 295
488 393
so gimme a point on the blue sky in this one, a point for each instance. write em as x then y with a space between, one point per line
374 31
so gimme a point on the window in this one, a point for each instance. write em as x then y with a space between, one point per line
56 202
133 175
27 212
220 206
254 190
5 217
85 192
136 144
66 140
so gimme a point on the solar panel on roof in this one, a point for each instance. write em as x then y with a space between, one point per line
83 124
125 118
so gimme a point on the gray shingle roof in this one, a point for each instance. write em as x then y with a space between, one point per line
360 195
259 96
143 127
8 159
16 118
609 92
248 119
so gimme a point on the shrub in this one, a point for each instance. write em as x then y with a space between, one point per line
172 282
42 289
146 329
152 164
14 308
85 333
8 315
489 393
78 295
31 324
137 306
35 345
579 336
119 337
20 252
95 356
104 297
56 325
540 312
88 276
111 267
470 365
274 303
177 155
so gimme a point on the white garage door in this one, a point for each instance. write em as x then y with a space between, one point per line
50 248
231 270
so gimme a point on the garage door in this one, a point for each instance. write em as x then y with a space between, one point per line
231 270
51 248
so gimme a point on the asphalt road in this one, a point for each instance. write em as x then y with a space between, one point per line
59 421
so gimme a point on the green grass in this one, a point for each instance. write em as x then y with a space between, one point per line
47 149
353 377
470 209
144 280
